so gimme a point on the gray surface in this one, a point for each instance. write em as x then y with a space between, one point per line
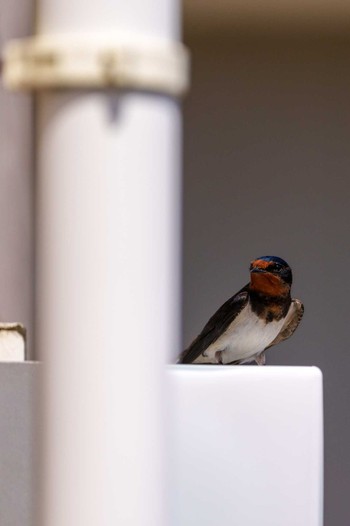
267 164
16 183
18 489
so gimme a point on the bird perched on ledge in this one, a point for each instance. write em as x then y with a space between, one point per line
259 316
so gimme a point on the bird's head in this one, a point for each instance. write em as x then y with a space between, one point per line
270 275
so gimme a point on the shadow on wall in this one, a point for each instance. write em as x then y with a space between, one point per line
267 163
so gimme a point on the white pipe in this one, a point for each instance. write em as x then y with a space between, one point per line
108 280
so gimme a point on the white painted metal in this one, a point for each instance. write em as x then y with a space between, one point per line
12 342
246 446
152 18
108 280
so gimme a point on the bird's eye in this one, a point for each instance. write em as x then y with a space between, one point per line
278 267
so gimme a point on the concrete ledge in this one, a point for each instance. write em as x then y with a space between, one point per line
18 488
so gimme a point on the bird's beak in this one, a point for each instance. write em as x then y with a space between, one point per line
258 270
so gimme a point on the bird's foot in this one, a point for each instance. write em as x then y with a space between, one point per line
218 357
260 359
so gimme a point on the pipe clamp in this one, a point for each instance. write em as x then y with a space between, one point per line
95 62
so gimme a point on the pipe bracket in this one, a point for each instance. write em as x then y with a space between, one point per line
96 62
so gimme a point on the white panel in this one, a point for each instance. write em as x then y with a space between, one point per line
246 446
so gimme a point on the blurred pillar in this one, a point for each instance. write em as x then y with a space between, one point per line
108 278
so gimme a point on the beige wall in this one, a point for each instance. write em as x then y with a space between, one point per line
267 171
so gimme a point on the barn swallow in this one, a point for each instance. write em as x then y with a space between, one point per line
259 316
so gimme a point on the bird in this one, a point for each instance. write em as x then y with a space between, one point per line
260 315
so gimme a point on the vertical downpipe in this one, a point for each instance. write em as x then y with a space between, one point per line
108 191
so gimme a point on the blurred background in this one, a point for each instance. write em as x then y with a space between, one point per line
266 172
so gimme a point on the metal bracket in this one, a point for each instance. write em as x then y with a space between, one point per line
95 62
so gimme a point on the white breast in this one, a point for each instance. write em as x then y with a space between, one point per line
245 337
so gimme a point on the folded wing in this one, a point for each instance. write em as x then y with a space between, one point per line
293 318
217 324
